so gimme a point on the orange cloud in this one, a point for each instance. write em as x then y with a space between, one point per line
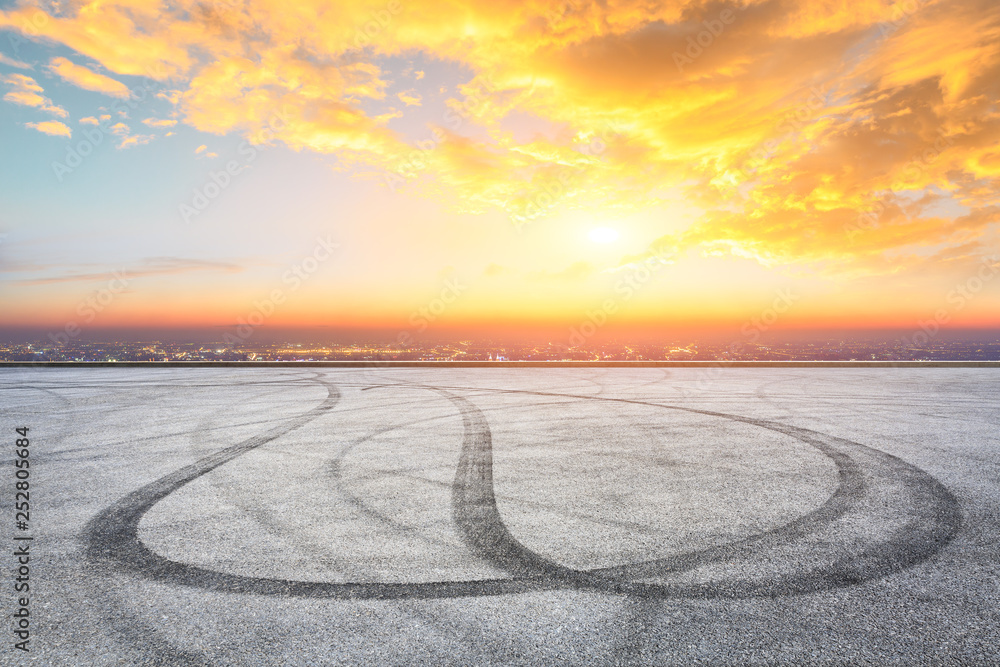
13 63
52 127
135 140
835 134
127 38
410 98
80 76
25 91
126 138
159 122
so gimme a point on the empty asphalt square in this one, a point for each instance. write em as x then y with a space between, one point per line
300 515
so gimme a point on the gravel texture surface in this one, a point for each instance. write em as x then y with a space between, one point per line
309 516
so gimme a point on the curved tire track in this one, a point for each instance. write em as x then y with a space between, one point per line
112 536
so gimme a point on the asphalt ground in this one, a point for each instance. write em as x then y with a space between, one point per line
506 516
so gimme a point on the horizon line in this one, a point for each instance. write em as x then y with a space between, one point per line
516 364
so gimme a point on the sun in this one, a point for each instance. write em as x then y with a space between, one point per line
603 235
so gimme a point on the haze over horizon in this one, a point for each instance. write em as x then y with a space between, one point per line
445 168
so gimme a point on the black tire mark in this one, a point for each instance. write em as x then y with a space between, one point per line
113 535
112 539
665 374
334 470
936 518
474 505
236 495
143 640
335 465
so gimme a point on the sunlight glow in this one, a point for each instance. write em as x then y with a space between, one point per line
603 235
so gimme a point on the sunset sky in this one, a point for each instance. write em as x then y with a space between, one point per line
429 166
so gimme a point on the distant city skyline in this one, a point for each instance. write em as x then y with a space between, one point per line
917 347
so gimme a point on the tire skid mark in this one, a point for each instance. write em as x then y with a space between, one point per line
850 488
474 505
236 495
112 536
936 517
335 467
112 539
140 638
143 640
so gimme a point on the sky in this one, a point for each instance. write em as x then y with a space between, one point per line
431 167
